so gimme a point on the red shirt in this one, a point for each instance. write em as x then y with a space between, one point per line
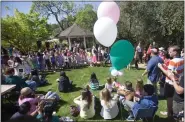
149 50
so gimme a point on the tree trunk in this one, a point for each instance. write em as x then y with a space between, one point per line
61 26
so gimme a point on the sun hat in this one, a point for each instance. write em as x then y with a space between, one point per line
26 91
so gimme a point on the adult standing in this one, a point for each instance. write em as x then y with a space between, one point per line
149 52
139 51
176 67
136 59
152 69
178 97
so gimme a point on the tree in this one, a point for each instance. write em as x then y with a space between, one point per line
86 17
59 9
161 22
23 30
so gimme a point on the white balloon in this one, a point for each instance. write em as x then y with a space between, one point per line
120 73
105 31
114 72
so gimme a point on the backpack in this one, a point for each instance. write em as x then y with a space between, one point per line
74 111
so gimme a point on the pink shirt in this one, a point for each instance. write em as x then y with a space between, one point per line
138 94
32 101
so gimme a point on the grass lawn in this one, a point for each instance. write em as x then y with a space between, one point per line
81 77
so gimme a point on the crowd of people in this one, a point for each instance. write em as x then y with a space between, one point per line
52 59
164 67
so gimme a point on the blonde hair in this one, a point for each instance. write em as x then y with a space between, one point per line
139 85
106 96
109 80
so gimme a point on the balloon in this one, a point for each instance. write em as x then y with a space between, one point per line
105 31
114 72
121 54
109 9
120 73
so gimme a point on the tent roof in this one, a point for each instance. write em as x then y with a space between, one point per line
75 31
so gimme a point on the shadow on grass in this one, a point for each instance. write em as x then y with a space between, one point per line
48 84
60 103
101 87
75 88
41 92
45 73
159 119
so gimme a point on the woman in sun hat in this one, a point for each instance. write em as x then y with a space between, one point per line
27 95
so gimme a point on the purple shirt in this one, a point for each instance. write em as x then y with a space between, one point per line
32 101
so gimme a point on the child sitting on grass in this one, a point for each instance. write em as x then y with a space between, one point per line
46 114
94 83
109 104
126 93
109 84
86 103
116 85
148 100
139 90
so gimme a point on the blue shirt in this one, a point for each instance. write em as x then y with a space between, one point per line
145 102
154 71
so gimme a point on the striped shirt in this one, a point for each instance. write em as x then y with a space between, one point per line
177 65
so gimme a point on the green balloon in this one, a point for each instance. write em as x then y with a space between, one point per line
121 54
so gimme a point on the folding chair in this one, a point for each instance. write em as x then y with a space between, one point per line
145 114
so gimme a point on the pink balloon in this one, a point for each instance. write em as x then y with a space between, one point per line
109 9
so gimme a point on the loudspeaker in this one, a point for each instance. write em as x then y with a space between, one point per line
39 44
47 45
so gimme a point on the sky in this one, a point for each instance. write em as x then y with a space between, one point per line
26 6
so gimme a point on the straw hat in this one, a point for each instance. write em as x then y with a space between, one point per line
26 91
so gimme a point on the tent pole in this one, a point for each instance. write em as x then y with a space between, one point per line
85 42
69 41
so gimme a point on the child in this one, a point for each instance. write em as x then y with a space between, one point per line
148 100
109 105
116 85
66 60
94 84
65 84
86 103
139 90
127 93
53 61
94 55
46 115
109 84
24 109
60 60
27 95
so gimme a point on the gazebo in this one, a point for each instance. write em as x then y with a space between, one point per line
75 31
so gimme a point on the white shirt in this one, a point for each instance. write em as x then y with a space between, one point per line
16 69
85 112
109 86
138 48
46 57
111 111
